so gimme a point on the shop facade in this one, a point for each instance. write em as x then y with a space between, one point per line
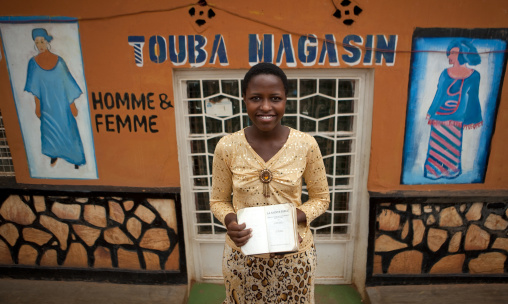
405 100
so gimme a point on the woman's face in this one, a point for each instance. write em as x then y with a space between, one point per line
265 99
41 44
453 58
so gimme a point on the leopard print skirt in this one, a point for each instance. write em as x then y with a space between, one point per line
250 279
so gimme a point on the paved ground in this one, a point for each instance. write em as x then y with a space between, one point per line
439 294
60 292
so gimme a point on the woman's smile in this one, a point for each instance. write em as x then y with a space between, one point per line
266 117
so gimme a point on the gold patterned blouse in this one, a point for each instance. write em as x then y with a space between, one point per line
236 183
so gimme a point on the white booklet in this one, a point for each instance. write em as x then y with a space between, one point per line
273 229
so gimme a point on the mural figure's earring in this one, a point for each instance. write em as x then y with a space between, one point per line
49 46
35 47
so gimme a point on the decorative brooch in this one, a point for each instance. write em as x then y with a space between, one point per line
266 177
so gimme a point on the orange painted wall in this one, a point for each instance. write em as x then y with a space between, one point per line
150 160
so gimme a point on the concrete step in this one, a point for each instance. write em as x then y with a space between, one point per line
439 294
66 292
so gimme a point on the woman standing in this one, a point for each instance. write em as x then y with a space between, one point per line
456 106
242 162
55 90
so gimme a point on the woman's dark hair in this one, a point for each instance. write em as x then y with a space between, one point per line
264 68
467 52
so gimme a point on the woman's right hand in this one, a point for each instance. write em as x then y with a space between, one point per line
37 107
238 234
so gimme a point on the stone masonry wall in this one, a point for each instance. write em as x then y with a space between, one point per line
89 232
441 239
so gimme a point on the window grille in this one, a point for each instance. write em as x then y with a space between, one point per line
6 166
325 107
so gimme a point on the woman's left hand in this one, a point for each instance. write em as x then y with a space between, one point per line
74 110
301 218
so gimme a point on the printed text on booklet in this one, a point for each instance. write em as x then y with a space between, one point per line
273 229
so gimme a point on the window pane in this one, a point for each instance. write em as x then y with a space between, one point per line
236 105
328 165
195 107
289 121
203 218
291 107
343 181
193 89
231 87
217 228
197 146
202 201
212 143
210 163
220 230
305 197
196 125
327 125
232 125
246 121
201 182
324 230
308 86
345 123
340 230
346 106
322 220
307 125
343 164
317 106
340 218
213 125
199 165
346 88
327 87
325 145
210 87
292 88
344 146
341 201
222 106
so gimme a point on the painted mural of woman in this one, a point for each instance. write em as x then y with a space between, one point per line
456 107
55 90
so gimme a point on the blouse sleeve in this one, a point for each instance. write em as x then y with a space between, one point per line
32 84
317 184
437 101
222 183
71 87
